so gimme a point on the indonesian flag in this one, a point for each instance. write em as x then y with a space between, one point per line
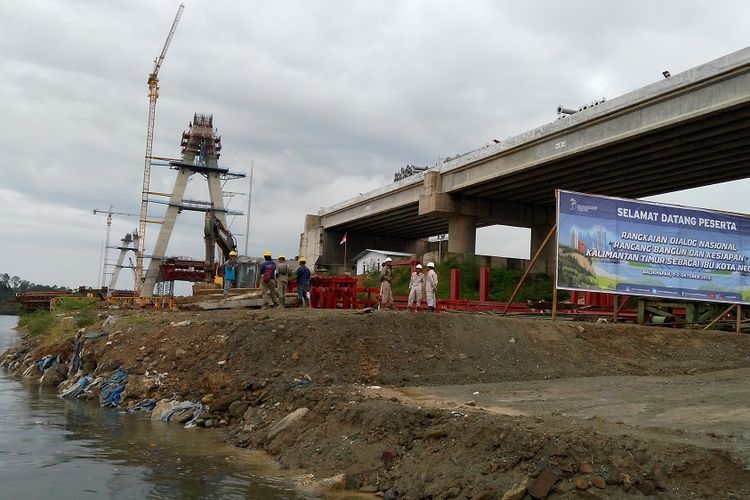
343 240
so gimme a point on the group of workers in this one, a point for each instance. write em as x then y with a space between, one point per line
274 279
417 283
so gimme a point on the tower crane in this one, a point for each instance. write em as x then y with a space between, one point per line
153 95
109 213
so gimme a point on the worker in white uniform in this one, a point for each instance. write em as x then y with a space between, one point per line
431 283
415 287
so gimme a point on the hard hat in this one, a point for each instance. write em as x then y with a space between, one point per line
267 253
419 266
281 257
430 264
232 252
302 259
387 259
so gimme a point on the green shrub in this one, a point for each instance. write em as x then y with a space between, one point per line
37 322
76 304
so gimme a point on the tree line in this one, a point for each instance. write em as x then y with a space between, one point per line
11 285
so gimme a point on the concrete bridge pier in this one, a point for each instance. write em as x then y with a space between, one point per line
546 260
462 234
322 247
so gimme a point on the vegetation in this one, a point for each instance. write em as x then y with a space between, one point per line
54 326
11 285
538 286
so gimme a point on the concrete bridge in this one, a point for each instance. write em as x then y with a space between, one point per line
688 130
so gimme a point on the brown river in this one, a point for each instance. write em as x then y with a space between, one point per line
54 448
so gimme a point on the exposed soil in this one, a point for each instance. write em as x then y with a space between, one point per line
451 405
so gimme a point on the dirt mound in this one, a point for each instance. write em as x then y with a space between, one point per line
293 382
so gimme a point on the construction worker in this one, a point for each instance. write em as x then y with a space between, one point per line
283 273
303 283
431 283
267 280
229 272
386 280
415 287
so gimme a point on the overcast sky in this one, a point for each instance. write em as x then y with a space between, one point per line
327 99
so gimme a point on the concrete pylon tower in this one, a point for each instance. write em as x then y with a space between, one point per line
200 155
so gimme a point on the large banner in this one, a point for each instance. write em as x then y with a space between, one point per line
632 247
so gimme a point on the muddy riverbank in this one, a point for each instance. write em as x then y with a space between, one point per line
445 406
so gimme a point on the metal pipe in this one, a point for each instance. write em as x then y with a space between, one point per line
562 110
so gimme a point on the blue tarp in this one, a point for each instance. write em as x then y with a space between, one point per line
111 390
146 405
47 361
77 389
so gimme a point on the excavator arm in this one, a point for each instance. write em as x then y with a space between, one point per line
215 234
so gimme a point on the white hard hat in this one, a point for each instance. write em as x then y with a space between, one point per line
387 259
419 266
430 264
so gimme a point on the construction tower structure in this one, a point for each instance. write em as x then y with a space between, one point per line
153 95
200 155
109 213
125 247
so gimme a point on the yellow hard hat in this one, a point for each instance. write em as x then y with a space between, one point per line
267 253
232 252
302 259
281 257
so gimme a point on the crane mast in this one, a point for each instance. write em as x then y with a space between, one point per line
153 95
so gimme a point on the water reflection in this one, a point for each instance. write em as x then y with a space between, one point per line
71 449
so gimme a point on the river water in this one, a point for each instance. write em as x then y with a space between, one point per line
52 448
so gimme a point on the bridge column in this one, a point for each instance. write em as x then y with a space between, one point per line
547 258
462 234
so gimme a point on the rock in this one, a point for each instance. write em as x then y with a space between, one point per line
237 409
333 483
287 421
452 493
183 416
565 467
222 404
53 376
209 423
160 407
646 487
613 476
368 489
180 323
660 476
295 356
579 482
517 492
599 482
542 485
389 455
586 468
180 352
207 398
222 362
248 413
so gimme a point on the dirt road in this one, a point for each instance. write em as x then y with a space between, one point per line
709 410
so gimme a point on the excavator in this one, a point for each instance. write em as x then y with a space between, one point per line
215 234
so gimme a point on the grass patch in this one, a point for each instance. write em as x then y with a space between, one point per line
37 322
